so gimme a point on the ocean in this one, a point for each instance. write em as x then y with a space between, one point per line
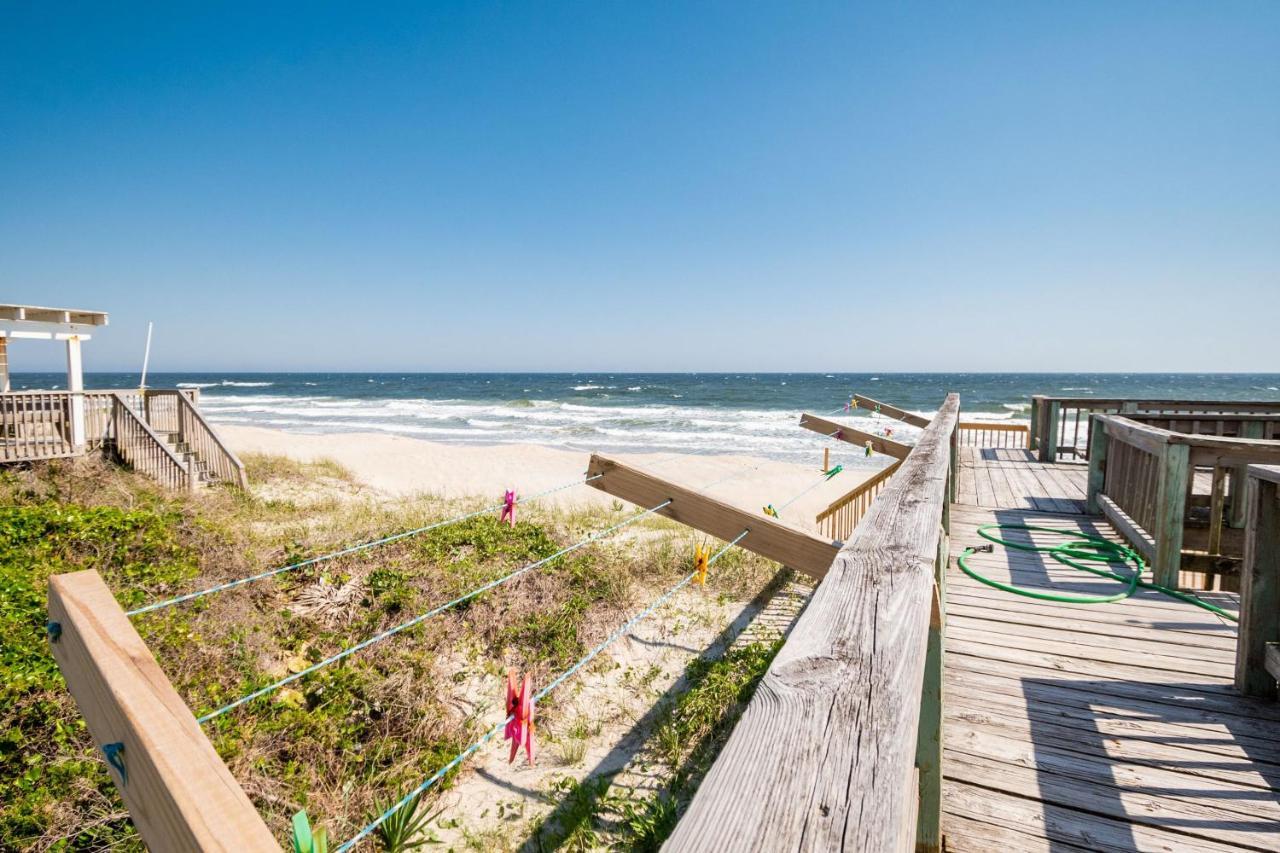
746 413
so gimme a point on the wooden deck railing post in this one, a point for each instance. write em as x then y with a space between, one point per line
1257 650
1238 478
1049 435
1033 440
178 792
1171 510
1097 464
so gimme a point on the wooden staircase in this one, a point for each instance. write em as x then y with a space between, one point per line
168 439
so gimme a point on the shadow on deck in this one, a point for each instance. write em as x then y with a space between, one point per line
1090 727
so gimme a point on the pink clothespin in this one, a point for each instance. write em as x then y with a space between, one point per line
839 435
509 507
519 728
888 432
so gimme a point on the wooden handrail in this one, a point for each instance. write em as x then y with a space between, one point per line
204 439
139 445
827 753
996 434
1056 422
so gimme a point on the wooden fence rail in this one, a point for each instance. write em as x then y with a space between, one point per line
1144 480
770 538
180 795
1060 425
1258 643
840 748
993 434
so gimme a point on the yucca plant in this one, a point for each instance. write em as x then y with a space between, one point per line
306 839
404 830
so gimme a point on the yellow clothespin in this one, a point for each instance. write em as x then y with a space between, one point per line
868 447
770 511
700 564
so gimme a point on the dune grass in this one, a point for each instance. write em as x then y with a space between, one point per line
349 737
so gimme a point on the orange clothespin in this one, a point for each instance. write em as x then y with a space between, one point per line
700 557
509 507
519 728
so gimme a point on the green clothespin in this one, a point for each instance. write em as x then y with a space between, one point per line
834 471
306 841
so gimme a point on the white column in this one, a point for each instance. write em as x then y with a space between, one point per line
75 384
4 366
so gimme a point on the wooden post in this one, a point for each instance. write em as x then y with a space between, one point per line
1239 505
929 732
178 792
1171 506
826 459
1260 586
1033 437
1098 441
1049 435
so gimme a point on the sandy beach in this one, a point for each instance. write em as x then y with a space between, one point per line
396 465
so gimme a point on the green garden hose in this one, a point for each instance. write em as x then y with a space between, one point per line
1090 549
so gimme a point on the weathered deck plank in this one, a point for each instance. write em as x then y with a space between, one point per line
1092 727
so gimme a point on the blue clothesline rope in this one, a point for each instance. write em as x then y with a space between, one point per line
364 644
487 736
345 551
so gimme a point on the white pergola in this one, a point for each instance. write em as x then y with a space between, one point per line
72 325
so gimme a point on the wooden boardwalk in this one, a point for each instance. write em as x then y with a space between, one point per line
1090 727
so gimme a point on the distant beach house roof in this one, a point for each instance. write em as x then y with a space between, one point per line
53 324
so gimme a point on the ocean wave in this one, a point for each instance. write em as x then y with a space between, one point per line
586 387
197 384
232 384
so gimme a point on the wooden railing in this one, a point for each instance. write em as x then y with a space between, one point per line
1258 643
200 436
35 425
1060 425
840 518
138 445
993 434
1144 479
841 745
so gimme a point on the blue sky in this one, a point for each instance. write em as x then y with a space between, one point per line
648 186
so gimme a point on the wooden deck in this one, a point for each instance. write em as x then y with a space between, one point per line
1090 727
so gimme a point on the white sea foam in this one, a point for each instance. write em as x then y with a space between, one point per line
606 427
197 384
230 384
